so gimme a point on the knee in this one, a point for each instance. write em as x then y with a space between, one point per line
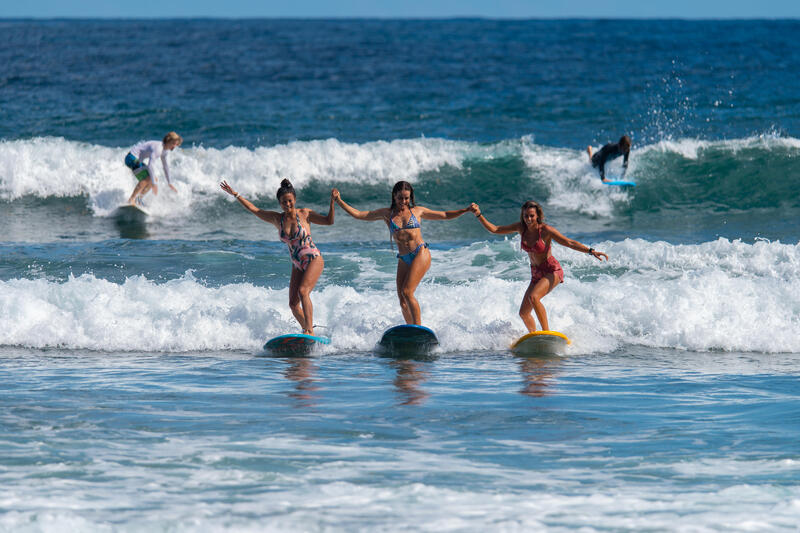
303 292
406 294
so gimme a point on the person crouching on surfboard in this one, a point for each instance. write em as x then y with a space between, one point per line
294 228
414 259
546 272
142 171
611 151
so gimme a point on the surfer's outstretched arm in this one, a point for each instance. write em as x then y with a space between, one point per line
491 228
575 245
376 214
322 220
267 216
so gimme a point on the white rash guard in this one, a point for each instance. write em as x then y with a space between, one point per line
151 150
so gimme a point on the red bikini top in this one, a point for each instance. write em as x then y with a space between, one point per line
538 248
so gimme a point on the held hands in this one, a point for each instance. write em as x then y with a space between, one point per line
336 196
475 208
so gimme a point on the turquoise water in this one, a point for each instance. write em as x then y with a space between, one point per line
136 395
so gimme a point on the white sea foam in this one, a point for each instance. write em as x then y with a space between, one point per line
720 295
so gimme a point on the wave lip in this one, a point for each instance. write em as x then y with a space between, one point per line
754 172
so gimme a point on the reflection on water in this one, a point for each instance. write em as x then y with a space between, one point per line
538 374
301 371
130 229
408 380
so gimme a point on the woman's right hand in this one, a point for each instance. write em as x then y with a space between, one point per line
335 195
227 188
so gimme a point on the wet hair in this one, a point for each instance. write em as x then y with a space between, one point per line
172 136
625 143
539 213
285 188
402 186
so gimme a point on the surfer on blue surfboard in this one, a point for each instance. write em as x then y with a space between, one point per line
414 259
294 228
546 273
608 152
143 170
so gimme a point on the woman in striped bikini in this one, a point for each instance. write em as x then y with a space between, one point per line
294 229
546 271
403 218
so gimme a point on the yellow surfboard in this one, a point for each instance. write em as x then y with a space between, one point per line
541 343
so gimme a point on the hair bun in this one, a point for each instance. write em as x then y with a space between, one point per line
286 183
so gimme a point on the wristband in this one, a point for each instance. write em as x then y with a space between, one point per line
591 251
237 195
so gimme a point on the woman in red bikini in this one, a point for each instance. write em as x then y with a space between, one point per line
546 271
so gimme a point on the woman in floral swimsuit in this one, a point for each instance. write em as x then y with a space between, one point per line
293 225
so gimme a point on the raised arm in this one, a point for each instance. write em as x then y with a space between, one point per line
499 230
268 216
575 245
326 220
377 214
430 214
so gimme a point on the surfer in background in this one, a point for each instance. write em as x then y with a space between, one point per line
609 152
142 171
414 258
546 272
294 228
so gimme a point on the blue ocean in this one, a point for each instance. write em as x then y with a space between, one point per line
135 394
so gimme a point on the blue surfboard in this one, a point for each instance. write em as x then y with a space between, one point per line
294 344
407 340
620 183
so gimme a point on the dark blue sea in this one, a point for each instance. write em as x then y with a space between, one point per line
134 391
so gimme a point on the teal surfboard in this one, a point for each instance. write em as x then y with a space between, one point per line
620 183
294 344
408 340
541 343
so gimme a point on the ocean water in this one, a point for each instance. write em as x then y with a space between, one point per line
135 393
